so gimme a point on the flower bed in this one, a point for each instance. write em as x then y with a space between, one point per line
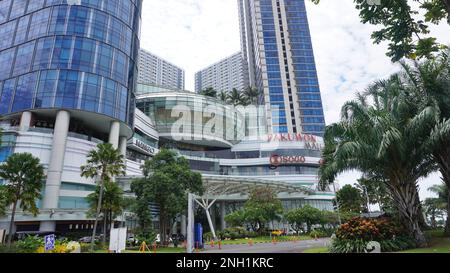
354 235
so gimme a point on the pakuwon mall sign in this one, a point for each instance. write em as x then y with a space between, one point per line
310 141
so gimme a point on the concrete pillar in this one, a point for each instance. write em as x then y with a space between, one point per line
55 167
123 146
114 134
183 225
223 212
25 121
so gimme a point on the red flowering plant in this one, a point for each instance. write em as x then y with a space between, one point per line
368 229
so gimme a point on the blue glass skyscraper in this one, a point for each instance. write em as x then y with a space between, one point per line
68 67
276 43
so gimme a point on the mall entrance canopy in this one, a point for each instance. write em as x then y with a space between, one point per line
219 187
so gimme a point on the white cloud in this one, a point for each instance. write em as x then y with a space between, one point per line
196 33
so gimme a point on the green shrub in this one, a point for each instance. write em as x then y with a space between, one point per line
348 246
30 244
234 233
354 235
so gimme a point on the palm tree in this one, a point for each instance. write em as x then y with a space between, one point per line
3 200
113 203
103 163
252 94
383 139
222 96
236 98
436 206
209 92
23 174
430 82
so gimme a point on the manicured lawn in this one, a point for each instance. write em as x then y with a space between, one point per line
266 239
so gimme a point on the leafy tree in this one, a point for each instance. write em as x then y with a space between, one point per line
383 138
434 209
403 26
262 207
167 181
350 199
376 191
305 215
23 175
236 219
209 92
103 164
329 218
112 204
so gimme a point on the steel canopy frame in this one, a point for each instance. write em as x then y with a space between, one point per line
219 185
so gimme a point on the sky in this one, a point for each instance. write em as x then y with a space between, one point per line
194 34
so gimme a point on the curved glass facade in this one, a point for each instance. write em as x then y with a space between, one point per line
80 56
159 104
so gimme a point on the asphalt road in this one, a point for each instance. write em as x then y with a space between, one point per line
285 247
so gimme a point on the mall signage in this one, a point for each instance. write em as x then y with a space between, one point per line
144 146
277 160
291 138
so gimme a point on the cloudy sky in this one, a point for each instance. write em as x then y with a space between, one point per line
196 33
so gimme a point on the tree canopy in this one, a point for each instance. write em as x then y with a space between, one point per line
167 181
24 175
404 24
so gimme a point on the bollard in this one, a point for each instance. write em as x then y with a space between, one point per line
250 242
220 244
315 237
212 243
154 247
274 241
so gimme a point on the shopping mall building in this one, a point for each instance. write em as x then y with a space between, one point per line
68 82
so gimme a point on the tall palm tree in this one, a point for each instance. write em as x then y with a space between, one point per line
23 174
430 82
384 139
103 163
252 94
209 92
